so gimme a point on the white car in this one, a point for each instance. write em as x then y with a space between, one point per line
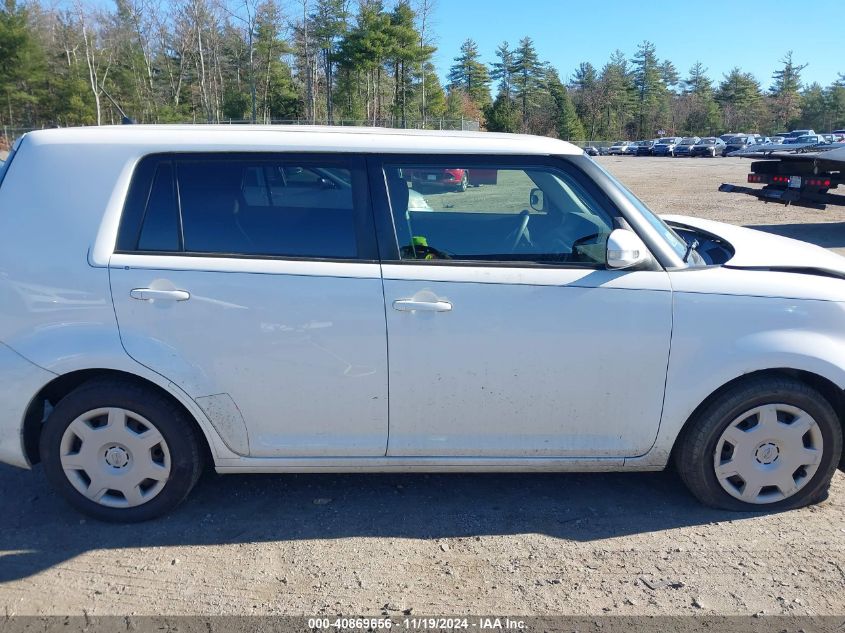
267 300
619 148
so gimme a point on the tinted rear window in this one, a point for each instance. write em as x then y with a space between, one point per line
243 206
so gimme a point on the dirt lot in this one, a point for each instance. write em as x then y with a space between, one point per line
688 187
446 544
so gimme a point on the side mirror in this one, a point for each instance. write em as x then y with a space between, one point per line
536 200
625 250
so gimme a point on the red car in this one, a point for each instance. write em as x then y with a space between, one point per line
457 179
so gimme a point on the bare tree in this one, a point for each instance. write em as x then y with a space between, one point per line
98 57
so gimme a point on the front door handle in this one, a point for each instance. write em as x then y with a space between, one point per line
410 305
152 294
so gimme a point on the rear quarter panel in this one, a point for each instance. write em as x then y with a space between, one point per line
55 306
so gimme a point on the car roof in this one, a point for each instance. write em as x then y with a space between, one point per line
303 138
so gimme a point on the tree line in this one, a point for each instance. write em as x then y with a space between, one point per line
368 62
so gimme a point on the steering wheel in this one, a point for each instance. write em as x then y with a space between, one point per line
522 230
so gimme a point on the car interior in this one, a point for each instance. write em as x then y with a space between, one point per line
559 223
255 208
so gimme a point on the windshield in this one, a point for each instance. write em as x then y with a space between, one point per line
707 141
738 140
666 141
672 238
807 139
688 141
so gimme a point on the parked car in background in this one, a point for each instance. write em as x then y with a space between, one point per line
457 179
618 148
797 133
631 150
666 146
592 150
811 139
687 143
708 146
776 139
645 147
738 143
227 296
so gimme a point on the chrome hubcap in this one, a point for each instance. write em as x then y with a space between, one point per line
115 457
768 453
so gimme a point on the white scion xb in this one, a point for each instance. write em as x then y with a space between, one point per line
304 300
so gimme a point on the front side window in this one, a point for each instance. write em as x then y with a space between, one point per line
259 206
496 214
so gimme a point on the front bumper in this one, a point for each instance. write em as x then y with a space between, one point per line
20 380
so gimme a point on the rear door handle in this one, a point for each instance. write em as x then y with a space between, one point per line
409 305
151 294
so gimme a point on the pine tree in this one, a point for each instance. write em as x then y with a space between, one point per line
836 103
703 115
567 124
618 94
815 108
330 20
785 91
528 76
470 76
587 98
276 94
502 70
503 115
652 94
435 96
22 67
741 100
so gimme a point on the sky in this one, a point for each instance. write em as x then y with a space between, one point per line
751 34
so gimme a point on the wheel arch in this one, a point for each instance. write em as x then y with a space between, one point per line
61 386
829 390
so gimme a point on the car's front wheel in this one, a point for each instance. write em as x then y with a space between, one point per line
120 451
769 443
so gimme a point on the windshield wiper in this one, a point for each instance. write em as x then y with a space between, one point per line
690 248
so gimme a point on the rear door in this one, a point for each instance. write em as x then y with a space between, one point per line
508 334
252 282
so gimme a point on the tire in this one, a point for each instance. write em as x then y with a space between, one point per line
464 184
109 433
696 461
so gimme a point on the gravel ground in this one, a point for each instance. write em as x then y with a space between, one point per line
628 544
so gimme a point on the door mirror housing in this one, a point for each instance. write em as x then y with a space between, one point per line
625 249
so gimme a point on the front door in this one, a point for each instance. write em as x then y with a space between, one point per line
251 281
508 335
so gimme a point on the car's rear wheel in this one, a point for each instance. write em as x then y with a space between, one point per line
120 451
769 443
464 184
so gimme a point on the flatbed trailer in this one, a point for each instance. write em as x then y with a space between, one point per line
803 178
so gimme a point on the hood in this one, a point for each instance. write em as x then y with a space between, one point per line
757 249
